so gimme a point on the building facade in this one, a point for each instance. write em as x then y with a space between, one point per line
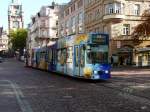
43 29
118 18
15 15
3 41
71 18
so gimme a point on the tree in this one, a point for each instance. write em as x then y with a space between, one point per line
18 39
143 29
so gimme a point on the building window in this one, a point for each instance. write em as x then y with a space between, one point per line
67 27
16 24
110 9
126 29
97 14
43 23
97 29
72 8
117 8
136 9
105 29
73 23
17 7
80 3
67 12
80 22
113 8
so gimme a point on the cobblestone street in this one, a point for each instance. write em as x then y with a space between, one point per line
29 90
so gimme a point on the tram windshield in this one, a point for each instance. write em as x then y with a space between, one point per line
97 54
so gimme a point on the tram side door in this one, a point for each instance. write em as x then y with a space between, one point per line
82 59
76 61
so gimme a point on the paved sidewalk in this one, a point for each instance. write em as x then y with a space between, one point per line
130 71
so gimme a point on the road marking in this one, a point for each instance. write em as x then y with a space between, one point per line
24 105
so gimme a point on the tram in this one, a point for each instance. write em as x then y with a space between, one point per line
83 56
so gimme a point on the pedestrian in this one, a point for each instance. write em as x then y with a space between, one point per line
121 60
112 60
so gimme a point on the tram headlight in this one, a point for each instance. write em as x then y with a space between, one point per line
95 72
96 76
106 71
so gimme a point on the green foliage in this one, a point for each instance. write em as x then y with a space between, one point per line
143 29
18 38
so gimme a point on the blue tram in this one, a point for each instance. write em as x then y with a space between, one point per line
83 56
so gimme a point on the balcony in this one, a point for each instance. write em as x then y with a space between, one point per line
114 11
115 17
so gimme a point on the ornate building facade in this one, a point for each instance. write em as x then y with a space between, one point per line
43 29
71 18
118 18
3 41
15 15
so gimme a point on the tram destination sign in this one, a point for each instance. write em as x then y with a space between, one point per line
100 39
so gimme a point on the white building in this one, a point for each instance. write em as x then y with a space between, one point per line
44 26
15 17
3 40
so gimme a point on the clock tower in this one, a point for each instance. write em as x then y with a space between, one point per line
15 17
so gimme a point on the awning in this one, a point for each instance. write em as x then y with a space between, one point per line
146 49
125 50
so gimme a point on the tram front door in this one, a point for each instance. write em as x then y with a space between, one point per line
79 60
76 61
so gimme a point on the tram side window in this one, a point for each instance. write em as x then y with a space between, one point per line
40 55
37 56
34 56
69 55
82 57
50 55
43 55
55 57
64 53
46 56
59 55
77 57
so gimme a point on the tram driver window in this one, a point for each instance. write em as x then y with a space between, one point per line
89 57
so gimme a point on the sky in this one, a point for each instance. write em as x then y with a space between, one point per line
30 7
